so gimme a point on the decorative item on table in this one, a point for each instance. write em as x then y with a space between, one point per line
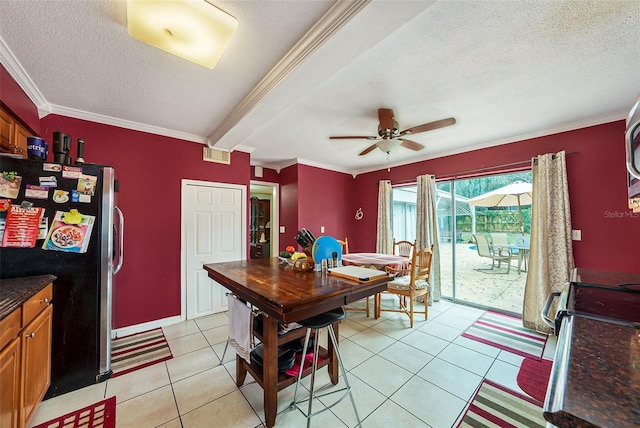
327 248
305 239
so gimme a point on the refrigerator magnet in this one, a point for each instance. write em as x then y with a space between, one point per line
36 192
71 171
10 185
53 167
87 184
51 181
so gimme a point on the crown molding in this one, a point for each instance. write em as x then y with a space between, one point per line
122 123
336 17
244 149
19 74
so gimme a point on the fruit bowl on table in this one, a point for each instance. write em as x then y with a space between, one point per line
286 260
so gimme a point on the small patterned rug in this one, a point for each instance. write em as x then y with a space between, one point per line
497 406
533 377
508 333
139 350
99 415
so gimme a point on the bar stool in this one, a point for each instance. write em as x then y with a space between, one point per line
316 323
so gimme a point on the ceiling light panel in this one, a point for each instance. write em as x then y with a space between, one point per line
191 29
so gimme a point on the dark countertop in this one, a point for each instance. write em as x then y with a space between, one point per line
15 291
600 378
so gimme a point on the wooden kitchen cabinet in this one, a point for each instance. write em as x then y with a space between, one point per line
13 136
25 359
10 384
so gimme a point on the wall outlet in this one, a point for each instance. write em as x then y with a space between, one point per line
281 229
576 235
321 229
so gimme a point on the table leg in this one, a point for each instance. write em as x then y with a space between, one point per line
270 370
333 365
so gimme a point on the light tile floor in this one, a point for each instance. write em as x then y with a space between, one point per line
420 377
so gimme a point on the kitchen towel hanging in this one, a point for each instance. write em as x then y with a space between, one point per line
240 327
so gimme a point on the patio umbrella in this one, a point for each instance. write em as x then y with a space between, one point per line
514 194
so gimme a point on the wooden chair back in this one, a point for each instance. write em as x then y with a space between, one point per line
345 245
403 248
422 261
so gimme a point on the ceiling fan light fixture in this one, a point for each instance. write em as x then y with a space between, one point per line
388 145
194 30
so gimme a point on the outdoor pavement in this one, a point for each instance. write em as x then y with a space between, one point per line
492 288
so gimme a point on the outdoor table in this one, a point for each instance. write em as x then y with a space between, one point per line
285 295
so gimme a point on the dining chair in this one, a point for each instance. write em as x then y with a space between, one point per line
403 248
495 253
411 283
345 250
345 245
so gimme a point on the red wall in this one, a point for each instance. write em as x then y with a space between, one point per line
150 169
597 191
268 174
325 199
16 100
288 205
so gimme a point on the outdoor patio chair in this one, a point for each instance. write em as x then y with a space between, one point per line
499 241
414 283
496 254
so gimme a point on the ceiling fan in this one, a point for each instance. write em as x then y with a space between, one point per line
389 135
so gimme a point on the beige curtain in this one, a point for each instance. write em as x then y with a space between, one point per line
384 241
427 229
551 254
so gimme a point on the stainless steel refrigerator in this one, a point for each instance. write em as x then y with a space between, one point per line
82 292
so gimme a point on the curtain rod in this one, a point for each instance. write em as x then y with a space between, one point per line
486 168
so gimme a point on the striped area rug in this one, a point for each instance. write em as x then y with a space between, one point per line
139 350
497 406
99 415
506 332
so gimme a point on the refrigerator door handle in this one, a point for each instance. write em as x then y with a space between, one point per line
120 233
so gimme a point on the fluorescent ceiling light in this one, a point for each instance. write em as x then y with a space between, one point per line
192 29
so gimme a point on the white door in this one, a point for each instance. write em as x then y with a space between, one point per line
214 231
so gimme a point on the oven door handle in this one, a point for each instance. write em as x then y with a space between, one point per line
547 307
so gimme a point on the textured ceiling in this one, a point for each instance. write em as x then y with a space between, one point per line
504 70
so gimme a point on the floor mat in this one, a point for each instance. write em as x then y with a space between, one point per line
99 415
533 377
497 406
506 332
139 350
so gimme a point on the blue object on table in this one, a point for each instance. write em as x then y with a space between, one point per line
324 247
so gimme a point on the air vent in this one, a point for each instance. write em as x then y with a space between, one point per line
216 155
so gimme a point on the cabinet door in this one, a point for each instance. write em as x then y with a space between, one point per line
36 362
20 140
6 132
10 385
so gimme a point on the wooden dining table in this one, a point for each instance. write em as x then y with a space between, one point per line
284 296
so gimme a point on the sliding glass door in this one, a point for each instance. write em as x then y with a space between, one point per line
483 240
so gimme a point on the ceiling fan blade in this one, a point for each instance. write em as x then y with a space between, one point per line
429 126
351 137
411 145
368 149
385 115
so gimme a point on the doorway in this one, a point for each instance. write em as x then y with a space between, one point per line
213 230
263 220
466 275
